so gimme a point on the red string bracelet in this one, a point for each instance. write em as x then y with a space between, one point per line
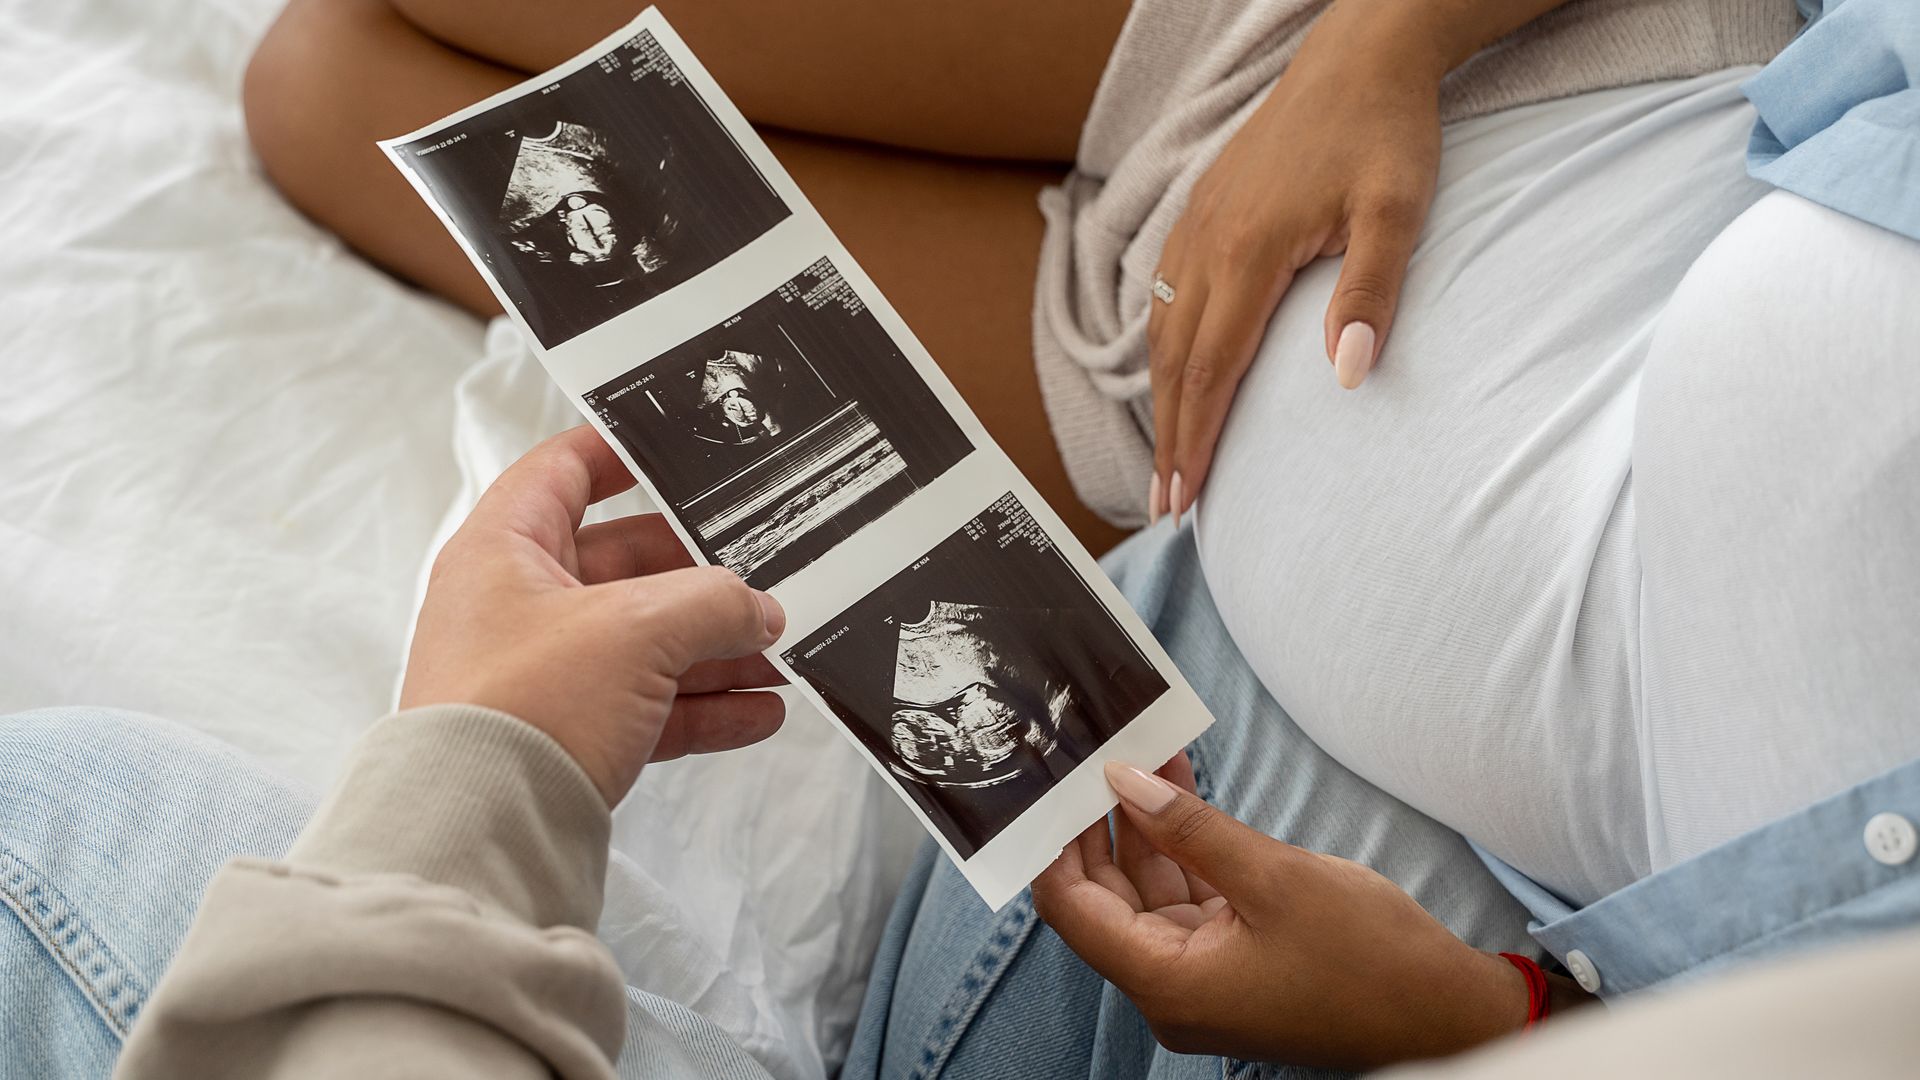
1539 1003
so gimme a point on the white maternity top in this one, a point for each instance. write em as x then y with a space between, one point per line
1598 572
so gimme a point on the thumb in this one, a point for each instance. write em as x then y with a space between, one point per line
698 613
1379 246
1211 845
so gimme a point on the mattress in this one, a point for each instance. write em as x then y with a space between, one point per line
228 451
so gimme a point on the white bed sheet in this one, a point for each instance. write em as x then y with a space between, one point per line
228 449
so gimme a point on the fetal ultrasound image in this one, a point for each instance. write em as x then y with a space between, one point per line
596 193
785 429
981 675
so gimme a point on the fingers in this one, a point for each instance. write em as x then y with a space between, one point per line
1235 858
744 673
1163 885
544 494
628 547
1167 345
711 723
696 614
1217 359
645 544
1168 271
1178 771
1095 844
1167 365
1159 881
1097 923
1381 239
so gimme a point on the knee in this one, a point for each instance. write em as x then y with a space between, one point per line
93 771
64 761
278 89
301 88
40 746
84 729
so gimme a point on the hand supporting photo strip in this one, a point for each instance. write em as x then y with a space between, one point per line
684 293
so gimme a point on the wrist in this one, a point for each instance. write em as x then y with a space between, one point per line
1481 998
470 797
1565 995
1399 41
1499 998
1430 38
1502 1001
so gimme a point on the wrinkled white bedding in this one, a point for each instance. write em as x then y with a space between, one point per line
228 449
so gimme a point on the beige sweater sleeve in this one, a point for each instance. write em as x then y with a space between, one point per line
434 919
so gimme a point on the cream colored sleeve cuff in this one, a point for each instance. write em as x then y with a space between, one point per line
473 798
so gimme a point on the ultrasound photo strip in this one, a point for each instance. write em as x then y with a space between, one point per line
686 296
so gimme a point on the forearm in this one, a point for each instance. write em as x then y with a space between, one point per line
436 915
1424 39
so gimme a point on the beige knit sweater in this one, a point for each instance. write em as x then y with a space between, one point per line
1184 76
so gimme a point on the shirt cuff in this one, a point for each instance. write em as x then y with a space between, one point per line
473 798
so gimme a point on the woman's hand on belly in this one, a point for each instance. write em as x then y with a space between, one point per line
1230 942
1342 156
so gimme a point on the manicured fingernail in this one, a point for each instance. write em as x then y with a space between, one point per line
1176 496
1154 493
772 612
1353 355
1142 790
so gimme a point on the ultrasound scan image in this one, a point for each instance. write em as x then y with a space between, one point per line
592 195
981 675
564 203
967 711
784 430
739 398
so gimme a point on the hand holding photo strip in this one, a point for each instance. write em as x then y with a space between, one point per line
682 291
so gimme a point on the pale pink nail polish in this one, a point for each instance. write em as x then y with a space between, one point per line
1154 494
1177 498
1143 791
1353 355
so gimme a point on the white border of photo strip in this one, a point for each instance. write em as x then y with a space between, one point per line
874 554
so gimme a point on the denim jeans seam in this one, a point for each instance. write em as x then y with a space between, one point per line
1013 927
110 984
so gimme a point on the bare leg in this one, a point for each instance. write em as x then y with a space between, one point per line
331 78
986 78
953 243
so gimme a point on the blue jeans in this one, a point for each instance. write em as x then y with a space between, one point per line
958 991
113 824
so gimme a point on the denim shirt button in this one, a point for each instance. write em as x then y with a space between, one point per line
1891 839
1581 968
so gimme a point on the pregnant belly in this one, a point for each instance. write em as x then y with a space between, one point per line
1436 574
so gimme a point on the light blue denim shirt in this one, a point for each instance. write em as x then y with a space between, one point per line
1840 112
1842 868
